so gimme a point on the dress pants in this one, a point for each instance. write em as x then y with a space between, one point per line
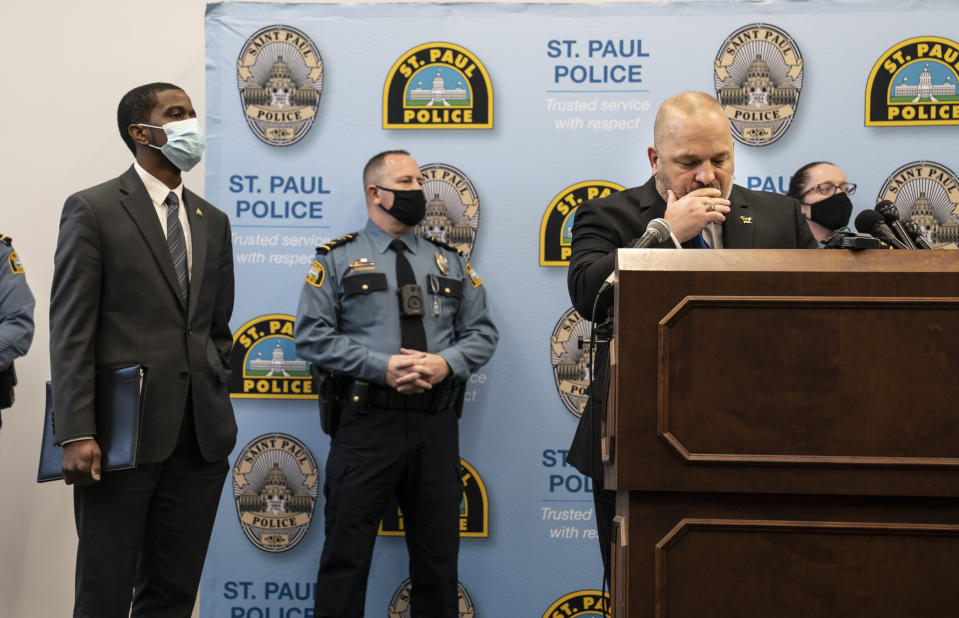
413 455
143 534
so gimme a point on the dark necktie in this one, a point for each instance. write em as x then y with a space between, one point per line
177 242
412 333
699 242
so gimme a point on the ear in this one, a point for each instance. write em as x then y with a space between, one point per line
140 134
372 193
653 155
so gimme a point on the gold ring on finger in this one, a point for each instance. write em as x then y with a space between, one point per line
710 207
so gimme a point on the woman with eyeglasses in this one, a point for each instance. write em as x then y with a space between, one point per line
823 192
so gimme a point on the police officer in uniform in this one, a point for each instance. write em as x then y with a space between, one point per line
16 318
396 324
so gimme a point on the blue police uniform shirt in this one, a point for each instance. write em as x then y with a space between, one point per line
16 306
348 319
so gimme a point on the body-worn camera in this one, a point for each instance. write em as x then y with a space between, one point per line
411 300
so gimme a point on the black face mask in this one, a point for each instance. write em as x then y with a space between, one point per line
409 207
833 212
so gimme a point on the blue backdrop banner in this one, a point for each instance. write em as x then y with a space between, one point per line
517 113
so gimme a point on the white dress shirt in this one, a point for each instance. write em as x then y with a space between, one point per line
158 194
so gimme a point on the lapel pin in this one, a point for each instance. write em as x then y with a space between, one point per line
199 212
745 219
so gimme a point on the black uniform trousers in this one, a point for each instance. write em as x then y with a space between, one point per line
374 455
143 534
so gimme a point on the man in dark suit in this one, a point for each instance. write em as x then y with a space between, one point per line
143 273
692 188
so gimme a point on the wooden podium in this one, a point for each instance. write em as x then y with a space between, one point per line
783 434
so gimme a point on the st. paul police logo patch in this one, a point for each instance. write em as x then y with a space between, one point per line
438 86
474 508
556 228
579 604
452 207
914 83
926 193
758 74
16 267
275 482
400 603
570 361
265 364
280 77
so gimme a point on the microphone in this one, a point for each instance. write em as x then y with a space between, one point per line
912 228
657 231
891 214
872 223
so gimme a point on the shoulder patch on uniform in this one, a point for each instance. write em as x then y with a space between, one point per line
15 266
473 276
440 243
6 240
336 242
316 275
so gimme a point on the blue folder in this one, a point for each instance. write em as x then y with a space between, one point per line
118 413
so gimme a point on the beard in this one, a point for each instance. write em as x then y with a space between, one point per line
663 185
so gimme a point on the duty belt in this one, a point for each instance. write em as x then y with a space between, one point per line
441 397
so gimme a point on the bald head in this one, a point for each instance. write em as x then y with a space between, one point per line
684 106
693 145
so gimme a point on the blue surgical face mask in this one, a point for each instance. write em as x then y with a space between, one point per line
184 142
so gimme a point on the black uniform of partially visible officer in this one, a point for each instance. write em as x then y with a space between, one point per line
16 318
401 322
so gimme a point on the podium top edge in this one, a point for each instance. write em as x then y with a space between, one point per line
788 260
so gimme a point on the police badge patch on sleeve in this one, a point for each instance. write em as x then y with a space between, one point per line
15 266
316 275
474 276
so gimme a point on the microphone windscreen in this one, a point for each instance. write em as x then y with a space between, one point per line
867 220
888 210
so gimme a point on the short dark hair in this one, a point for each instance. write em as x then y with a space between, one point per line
373 166
135 107
799 179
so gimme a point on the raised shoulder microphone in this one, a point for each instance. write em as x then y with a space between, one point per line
872 223
891 214
657 231
912 228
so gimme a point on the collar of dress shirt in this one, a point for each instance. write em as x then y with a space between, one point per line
381 239
157 190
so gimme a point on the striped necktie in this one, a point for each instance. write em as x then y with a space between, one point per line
177 242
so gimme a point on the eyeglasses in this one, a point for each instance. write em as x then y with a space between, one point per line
828 189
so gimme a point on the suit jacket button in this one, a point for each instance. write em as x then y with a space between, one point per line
184 375
189 332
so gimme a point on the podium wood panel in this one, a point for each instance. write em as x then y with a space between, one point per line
786 372
736 556
783 434
800 382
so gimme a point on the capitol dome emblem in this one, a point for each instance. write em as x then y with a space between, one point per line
570 360
452 207
275 481
280 77
927 194
264 361
914 83
758 75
